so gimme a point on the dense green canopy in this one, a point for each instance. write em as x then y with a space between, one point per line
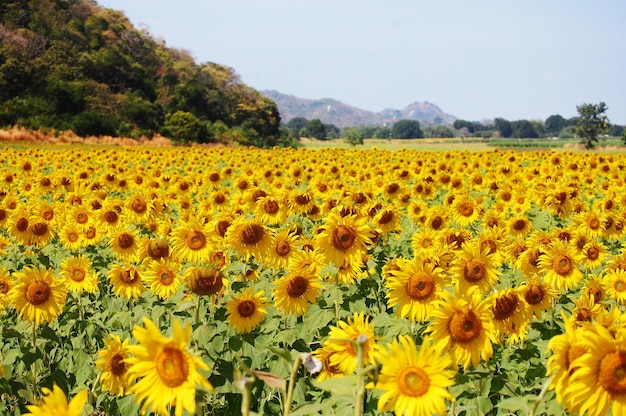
72 65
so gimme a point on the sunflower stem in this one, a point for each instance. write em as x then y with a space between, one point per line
542 394
33 366
197 312
292 385
360 374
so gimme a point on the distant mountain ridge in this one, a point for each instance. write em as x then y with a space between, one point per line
331 111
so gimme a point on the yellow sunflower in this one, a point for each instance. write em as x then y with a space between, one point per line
474 267
415 382
293 292
328 370
519 226
162 277
560 265
614 283
54 402
40 232
413 287
206 281
425 242
125 244
462 325
249 237
6 283
598 386
465 210
282 247
270 210
342 338
114 377
71 237
595 254
566 348
387 219
586 310
38 296
192 241
344 238
246 311
126 280
78 275
538 295
510 315
166 373
306 261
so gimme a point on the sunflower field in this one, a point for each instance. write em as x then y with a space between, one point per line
226 281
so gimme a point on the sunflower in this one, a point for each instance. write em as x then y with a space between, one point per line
437 217
192 241
387 219
162 277
126 280
495 239
306 261
125 244
425 242
614 283
246 311
463 326
206 281
510 315
538 295
465 210
590 223
71 237
38 296
249 237
328 370
293 292
6 283
344 238
270 210
19 225
415 382
166 373
412 287
519 226
115 377
594 287
560 265
566 348
586 310
474 267
595 254
78 275
342 338
598 386
54 402
110 216
139 207
282 247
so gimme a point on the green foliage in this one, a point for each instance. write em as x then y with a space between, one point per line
183 126
74 65
591 123
316 129
459 124
353 137
406 129
503 127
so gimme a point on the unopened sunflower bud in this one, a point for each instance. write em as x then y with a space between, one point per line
312 364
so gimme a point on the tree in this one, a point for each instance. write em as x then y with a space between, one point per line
555 123
315 128
523 129
504 127
407 129
184 126
353 137
591 123
459 124
624 136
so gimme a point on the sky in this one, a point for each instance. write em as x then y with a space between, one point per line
476 60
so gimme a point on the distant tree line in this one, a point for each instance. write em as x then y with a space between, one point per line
72 65
554 126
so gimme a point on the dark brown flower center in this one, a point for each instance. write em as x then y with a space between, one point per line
129 276
464 327
466 209
343 237
297 286
252 234
474 271
505 306
39 229
420 286
21 224
117 365
246 308
562 264
125 240
38 292
195 240
271 207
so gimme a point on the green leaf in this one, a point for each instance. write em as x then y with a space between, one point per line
311 409
339 386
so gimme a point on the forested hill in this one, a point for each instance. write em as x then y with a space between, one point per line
73 65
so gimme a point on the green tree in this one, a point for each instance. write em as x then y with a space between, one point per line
459 124
554 124
183 126
406 129
353 136
591 123
503 126
316 129
624 136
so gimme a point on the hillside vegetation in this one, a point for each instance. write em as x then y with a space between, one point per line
73 65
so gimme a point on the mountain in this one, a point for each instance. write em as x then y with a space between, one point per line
331 111
73 65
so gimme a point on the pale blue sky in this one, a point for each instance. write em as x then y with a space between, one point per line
475 59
